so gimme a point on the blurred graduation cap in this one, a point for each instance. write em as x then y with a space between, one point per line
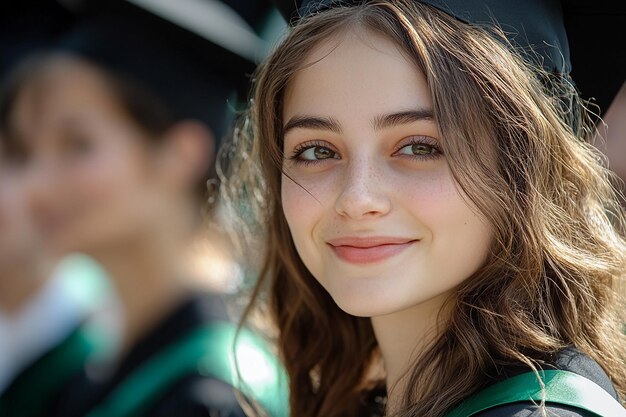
27 26
192 54
577 37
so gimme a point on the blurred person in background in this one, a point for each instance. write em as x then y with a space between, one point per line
50 312
117 127
43 338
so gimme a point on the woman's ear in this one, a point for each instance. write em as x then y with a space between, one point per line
186 154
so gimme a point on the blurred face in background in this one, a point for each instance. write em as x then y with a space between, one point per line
95 181
19 242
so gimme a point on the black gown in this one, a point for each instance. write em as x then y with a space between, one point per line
193 394
569 359
40 385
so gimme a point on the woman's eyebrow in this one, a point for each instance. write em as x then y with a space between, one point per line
312 122
402 117
380 122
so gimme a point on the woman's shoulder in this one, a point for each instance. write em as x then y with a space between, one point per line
530 410
569 359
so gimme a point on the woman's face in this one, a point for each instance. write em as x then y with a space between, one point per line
368 195
91 183
19 241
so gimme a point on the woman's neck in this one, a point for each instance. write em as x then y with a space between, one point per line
402 336
147 278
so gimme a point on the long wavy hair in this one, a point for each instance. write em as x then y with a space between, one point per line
557 261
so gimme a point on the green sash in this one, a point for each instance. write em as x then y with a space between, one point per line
33 390
211 351
561 387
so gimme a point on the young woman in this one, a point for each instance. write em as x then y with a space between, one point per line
433 226
118 151
43 327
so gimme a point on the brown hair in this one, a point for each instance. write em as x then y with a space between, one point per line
558 256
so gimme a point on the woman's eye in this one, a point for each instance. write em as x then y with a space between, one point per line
317 153
418 149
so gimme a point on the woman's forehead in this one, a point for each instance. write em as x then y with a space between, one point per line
62 92
356 74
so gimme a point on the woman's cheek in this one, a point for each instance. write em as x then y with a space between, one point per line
304 208
308 202
298 205
430 195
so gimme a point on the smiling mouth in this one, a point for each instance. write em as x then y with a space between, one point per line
368 250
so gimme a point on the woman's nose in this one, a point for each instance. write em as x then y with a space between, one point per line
363 194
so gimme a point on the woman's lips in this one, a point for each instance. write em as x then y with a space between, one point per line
360 250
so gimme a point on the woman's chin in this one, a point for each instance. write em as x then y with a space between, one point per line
365 306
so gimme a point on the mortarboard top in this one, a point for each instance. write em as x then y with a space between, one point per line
162 46
27 26
594 54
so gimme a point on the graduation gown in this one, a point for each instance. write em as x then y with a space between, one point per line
191 391
37 388
51 339
569 359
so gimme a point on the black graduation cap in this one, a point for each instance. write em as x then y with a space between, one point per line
27 26
577 37
190 56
